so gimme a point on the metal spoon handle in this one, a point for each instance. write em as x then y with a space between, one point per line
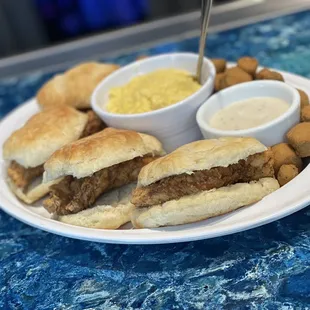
205 17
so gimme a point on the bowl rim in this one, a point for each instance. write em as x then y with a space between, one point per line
295 104
100 111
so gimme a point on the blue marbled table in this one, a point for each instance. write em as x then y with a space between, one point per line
264 268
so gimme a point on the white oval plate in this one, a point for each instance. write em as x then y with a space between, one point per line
285 201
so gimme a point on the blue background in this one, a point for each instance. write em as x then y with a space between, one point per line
264 268
64 19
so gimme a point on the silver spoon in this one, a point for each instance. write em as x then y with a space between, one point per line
205 17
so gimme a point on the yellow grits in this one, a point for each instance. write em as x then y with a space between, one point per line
152 91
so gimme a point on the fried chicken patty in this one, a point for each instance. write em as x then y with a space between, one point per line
74 195
253 168
22 177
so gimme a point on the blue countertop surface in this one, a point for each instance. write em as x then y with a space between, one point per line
264 268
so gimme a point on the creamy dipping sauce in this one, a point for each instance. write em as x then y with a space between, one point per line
249 113
152 91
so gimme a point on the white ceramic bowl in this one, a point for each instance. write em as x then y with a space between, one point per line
271 133
174 125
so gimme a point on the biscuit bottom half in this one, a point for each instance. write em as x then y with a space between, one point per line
204 205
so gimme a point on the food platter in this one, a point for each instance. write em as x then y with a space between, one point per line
285 201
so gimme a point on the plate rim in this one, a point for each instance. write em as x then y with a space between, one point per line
145 236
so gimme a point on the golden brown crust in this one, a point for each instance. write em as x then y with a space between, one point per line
299 138
286 174
266 74
304 98
43 134
218 81
285 155
305 113
200 155
219 64
234 76
248 64
75 86
104 149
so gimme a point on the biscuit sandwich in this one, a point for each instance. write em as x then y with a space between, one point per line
94 166
28 148
74 87
201 180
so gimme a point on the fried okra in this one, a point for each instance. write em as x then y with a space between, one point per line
234 76
248 64
220 64
266 74
304 99
305 114
299 138
286 174
285 155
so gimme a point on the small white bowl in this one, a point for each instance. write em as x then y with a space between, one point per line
269 134
174 125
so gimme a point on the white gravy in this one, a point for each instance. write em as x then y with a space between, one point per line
249 113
